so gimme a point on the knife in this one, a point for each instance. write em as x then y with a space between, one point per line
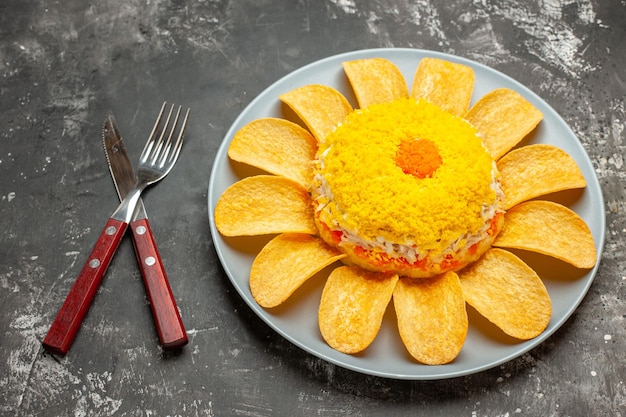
170 328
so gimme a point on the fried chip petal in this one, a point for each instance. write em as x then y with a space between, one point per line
285 263
550 229
503 117
446 84
264 204
320 107
277 146
535 170
507 292
352 307
432 317
375 80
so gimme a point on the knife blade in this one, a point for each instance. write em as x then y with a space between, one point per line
169 325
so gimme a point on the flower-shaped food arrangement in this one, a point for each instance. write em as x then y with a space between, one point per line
414 197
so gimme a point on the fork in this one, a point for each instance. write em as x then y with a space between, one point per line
157 159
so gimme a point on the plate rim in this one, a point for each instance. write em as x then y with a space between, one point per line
524 346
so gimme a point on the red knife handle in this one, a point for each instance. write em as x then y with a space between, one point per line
169 325
73 311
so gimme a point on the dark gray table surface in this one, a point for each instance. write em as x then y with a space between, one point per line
63 64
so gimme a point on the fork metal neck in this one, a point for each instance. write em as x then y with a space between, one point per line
126 210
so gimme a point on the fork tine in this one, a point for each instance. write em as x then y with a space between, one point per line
168 144
156 151
179 141
152 137
164 150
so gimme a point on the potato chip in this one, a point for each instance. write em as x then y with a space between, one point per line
551 229
432 318
264 204
446 84
321 108
285 263
277 146
503 118
507 292
535 170
352 307
375 80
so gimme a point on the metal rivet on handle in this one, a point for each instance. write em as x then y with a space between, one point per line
110 230
140 230
150 261
94 263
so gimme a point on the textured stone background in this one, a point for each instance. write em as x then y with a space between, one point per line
64 63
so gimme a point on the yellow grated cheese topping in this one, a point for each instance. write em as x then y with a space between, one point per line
368 194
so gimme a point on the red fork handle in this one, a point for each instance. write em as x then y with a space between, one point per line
170 328
69 318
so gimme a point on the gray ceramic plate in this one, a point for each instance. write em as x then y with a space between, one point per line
486 346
